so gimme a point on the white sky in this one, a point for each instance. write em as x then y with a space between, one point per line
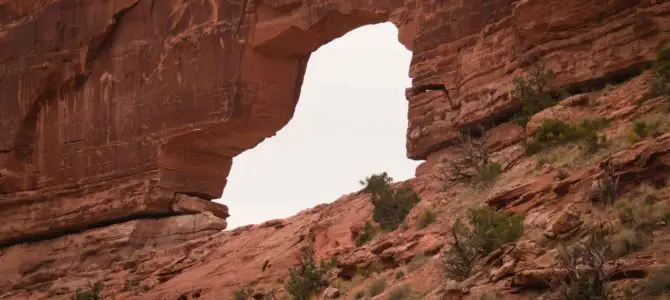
350 122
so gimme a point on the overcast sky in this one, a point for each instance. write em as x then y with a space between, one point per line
350 122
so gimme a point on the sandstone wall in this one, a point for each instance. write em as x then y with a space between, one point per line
114 110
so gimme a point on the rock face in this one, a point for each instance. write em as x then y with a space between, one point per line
153 252
107 249
187 257
119 121
115 107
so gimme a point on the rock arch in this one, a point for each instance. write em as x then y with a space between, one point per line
112 109
272 70
166 94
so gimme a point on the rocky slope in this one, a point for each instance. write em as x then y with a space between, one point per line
139 260
103 177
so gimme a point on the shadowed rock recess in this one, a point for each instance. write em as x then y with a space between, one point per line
119 121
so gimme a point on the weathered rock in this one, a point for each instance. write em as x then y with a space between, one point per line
499 137
189 204
95 92
331 293
160 254
520 191
277 223
538 278
115 248
216 265
565 221
93 130
570 110
503 136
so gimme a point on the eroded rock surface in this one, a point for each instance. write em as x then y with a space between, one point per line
48 266
96 91
120 120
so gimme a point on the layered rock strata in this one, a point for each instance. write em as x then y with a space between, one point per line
124 116
117 106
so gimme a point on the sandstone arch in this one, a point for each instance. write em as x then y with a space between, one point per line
111 109
153 100
273 67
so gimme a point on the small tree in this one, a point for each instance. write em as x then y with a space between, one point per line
401 292
308 278
376 183
530 93
585 263
556 132
608 186
464 250
94 292
475 163
488 230
642 129
661 73
391 205
658 283
368 233
494 229
243 293
425 219
377 287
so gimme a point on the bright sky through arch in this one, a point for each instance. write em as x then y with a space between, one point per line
350 122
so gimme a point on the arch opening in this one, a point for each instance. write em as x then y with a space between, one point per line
262 98
350 121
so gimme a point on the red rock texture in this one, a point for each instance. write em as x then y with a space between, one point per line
119 121
182 256
161 95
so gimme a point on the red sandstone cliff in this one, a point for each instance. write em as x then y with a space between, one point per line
119 121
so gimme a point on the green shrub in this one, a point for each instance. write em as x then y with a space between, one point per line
626 242
489 171
661 73
391 205
658 283
475 163
555 132
488 230
532 147
562 174
457 261
417 261
402 292
642 210
399 275
608 186
243 294
376 183
369 232
530 94
94 292
552 130
588 281
586 288
130 285
377 287
329 264
308 278
641 130
425 219
359 295
370 270
495 228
